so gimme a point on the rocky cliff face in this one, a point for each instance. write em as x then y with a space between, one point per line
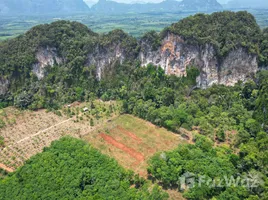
175 55
45 57
4 84
238 65
102 58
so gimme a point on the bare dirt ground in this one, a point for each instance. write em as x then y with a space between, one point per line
110 140
2 166
31 131
133 141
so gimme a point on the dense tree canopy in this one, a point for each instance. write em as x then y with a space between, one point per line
263 60
212 170
72 169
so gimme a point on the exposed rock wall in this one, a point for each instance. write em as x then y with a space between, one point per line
238 65
175 55
102 58
4 84
45 57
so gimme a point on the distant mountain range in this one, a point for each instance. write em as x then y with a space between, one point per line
247 4
42 7
104 6
12 7
34 7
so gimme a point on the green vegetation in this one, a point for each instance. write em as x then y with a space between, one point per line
60 35
134 24
74 79
153 38
260 113
198 159
71 169
205 164
128 43
2 141
233 30
264 49
234 118
3 174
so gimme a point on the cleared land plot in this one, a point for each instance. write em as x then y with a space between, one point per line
132 141
26 133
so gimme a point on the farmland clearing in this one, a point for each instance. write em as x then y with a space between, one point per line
132 141
26 133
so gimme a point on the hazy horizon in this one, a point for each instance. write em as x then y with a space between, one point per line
236 3
92 2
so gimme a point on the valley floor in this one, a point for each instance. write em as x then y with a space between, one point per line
135 24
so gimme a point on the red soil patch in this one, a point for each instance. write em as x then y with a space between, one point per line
128 133
138 156
2 166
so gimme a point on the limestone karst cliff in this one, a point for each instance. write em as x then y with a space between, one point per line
45 57
203 41
175 55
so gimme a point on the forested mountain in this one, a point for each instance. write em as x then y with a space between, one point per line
40 7
77 57
112 7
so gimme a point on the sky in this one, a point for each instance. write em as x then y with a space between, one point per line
91 2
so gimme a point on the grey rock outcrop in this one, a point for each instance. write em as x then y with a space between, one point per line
175 55
45 57
4 84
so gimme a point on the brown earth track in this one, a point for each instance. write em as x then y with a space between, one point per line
138 156
130 134
2 166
